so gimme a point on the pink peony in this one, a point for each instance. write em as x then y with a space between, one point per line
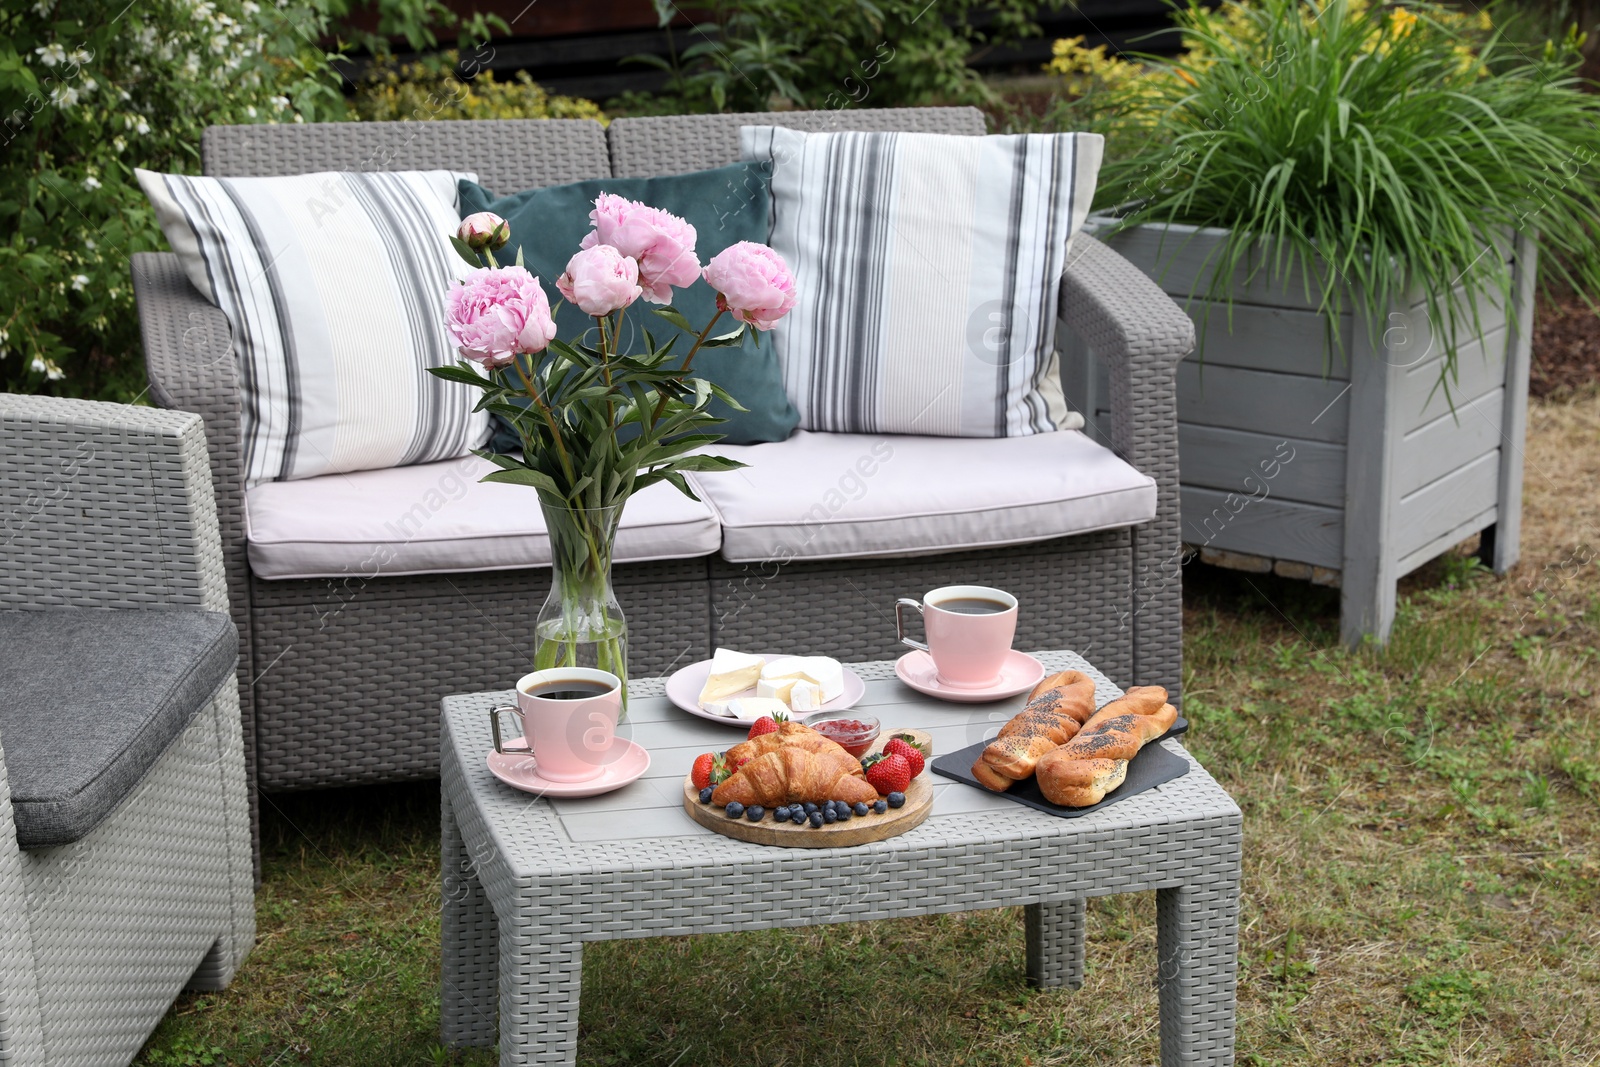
753 282
660 242
496 314
600 280
484 230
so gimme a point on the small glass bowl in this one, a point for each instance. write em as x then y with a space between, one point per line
854 733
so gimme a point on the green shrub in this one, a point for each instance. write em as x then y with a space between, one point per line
1387 140
830 54
434 91
88 91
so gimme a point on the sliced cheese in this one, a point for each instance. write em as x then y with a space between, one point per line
805 696
796 693
822 671
731 674
752 708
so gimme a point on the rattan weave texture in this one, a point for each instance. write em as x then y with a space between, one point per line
508 155
328 645
419 638
103 505
1141 335
1073 592
188 354
527 881
676 144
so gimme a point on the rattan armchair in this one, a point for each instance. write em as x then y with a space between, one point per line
328 665
104 506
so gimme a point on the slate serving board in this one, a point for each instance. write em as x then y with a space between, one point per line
1151 767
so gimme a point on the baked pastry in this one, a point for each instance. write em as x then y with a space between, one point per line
1082 771
1119 734
1054 710
1071 692
791 774
788 734
1077 783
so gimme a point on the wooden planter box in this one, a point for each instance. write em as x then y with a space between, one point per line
1347 466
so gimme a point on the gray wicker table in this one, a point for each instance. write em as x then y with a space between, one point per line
528 880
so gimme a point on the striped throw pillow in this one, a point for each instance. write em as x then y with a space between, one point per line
928 269
334 285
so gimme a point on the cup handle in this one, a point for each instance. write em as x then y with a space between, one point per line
900 624
494 725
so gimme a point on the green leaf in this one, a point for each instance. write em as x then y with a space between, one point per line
674 316
725 340
465 251
463 373
523 476
706 463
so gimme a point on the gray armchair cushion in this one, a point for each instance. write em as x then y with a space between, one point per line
90 699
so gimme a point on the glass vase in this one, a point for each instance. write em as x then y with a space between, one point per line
581 624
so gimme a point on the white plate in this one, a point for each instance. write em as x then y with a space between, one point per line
683 689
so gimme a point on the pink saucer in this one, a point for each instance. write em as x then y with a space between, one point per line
628 762
1020 674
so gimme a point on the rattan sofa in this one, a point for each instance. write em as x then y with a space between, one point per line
107 524
342 678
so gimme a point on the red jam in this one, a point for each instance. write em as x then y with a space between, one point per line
855 736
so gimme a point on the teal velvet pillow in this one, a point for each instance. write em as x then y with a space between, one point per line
725 206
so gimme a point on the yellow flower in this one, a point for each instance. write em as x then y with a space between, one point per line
1401 22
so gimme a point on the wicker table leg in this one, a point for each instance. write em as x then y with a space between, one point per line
541 979
1054 931
1197 930
469 946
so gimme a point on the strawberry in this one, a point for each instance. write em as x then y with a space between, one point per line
708 769
897 747
765 725
891 774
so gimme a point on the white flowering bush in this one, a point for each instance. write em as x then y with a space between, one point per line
88 91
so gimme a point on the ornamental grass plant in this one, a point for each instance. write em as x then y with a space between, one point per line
1366 147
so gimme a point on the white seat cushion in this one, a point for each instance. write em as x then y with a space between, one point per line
438 518
844 496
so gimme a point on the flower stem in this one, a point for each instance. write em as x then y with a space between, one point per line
661 402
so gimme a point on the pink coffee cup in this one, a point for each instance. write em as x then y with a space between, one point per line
569 720
969 629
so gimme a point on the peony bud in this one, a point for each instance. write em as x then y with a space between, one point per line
484 231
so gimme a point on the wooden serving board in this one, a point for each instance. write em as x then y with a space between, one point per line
858 830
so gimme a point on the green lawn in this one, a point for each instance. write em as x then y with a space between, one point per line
1421 881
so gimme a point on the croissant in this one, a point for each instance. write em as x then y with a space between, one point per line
790 774
788 734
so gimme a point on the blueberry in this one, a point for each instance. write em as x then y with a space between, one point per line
829 816
896 799
842 811
810 808
861 807
755 813
797 816
705 795
782 814
734 809
880 806
816 818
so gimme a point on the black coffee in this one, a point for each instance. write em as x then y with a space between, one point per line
972 605
569 689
